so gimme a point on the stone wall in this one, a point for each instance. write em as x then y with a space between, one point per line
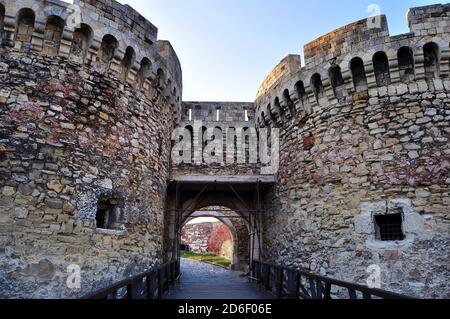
365 133
197 237
89 98
84 148
228 126
204 238
236 224
121 17
221 241
229 113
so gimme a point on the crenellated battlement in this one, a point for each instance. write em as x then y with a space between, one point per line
229 125
101 161
423 19
226 113
349 38
352 63
104 35
125 17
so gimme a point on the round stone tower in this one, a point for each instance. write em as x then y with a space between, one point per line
88 100
363 185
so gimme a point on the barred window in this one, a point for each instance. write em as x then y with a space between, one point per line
389 227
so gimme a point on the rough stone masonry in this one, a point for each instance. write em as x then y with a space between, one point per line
209 237
365 159
84 145
88 103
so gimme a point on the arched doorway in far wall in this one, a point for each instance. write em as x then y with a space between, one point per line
237 226
191 194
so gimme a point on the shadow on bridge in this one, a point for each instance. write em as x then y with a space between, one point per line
204 281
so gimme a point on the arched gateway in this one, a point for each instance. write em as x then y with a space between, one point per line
188 196
340 166
235 225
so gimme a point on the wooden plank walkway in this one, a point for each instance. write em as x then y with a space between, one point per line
204 281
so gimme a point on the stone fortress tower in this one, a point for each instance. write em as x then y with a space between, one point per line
365 159
88 101
89 98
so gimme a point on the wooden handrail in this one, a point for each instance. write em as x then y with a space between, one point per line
318 287
152 284
284 282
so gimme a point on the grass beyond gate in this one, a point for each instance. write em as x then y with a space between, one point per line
209 258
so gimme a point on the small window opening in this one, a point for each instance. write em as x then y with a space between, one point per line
246 115
300 88
107 216
381 68
190 114
358 74
127 62
82 40
2 22
406 64
431 60
218 115
144 71
336 79
316 83
389 227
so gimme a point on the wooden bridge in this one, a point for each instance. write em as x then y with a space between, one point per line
204 281
265 281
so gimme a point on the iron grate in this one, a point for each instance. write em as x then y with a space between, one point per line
389 227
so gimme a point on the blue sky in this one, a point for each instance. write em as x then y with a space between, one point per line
227 47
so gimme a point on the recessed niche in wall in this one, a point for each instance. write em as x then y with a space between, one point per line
108 214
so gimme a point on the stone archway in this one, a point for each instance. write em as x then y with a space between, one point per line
238 227
188 196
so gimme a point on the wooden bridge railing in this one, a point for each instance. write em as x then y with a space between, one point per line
149 285
287 283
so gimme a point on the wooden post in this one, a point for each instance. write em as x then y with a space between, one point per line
280 275
149 288
312 287
319 289
266 277
166 278
160 284
131 290
292 285
327 291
